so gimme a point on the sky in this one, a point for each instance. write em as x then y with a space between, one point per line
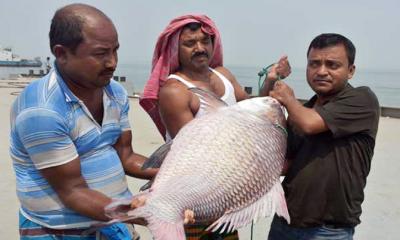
253 32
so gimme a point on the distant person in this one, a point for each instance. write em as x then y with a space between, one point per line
70 134
188 54
330 146
48 66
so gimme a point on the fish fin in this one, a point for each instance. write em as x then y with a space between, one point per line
147 185
272 201
120 211
156 159
280 202
211 101
162 230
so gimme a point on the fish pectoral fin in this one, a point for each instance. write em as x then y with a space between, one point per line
211 101
273 201
157 158
147 185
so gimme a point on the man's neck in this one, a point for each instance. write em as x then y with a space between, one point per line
82 93
196 74
322 99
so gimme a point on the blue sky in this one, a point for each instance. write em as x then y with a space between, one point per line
254 33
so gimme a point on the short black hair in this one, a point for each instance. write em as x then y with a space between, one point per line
67 25
66 29
193 26
332 39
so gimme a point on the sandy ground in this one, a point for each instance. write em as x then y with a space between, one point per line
381 208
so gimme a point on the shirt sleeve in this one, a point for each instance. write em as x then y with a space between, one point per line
44 135
355 111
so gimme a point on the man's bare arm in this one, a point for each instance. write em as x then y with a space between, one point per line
307 120
131 161
73 191
175 103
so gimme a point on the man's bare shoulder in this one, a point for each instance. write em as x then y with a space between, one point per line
240 94
226 73
174 90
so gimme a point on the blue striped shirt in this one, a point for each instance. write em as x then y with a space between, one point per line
50 126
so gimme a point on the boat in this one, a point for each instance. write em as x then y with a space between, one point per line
9 59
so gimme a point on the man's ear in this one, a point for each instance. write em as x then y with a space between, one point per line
352 70
60 52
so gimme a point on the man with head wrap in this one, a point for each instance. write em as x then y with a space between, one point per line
188 54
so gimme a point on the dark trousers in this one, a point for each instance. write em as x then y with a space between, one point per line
280 230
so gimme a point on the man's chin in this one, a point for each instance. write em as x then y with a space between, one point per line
104 81
201 61
201 65
107 77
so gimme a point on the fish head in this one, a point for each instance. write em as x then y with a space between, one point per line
266 107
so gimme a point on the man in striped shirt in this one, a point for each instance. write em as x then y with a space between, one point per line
70 135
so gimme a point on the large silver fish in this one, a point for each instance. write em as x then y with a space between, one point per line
225 166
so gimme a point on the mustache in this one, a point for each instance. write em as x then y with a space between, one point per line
321 79
198 54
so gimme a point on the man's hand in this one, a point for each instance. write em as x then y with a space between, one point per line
138 202
281 69
189 217
303 119
283 93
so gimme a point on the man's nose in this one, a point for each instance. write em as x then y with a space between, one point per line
111 61
200 47
322 70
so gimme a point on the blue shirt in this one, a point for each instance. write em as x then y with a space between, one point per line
50 126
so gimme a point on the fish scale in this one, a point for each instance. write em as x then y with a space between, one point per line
201 151
224 165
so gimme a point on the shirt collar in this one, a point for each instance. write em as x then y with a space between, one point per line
310 103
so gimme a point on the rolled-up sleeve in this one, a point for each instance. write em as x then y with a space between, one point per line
45 136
